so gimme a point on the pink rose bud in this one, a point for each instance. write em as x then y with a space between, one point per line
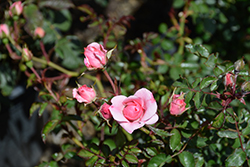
4 30
95 56
39 32
84 94
26 54
135 111
104 110
16 9
178 105
228 80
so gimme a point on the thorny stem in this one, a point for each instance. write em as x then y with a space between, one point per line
44 51
111 82
147 132
37 75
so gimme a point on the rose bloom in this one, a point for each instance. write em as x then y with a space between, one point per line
39 32
4 30
104 110
135 111
178 105
95 56
16 8
84 94
228 80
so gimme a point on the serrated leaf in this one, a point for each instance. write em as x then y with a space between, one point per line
197 99
34 107
179 84
159 160
91 161
237 158
228 134
218 121
160 132
151 151
196 82
131 158
213 86
218 70
212 60
189 96
124 163
48 127
187 159
206 82
43 106
110 143
246 130
85 154
199 161
175 139
198 50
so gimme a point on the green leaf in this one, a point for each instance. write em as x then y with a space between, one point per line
187 159
199 161
246 130
91 161
218 70
207 81
175 139
159 160
175 72
190 66
151 151
131 158
33 17
196 82
50 125
218 121
237 158
62 20
197 99
163 28
212 60
214 86
201 142
43 106
85 154
160 132
167 44
34 107
198 50
53 164
110 143
228 134
124 163
179 84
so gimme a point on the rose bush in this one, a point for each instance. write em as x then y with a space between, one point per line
135 111
84 94
95 56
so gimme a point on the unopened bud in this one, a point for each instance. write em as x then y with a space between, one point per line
245 87
26 54
4 31
239 65
16 9
39 32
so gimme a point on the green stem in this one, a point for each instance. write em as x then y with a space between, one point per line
147 132
55 66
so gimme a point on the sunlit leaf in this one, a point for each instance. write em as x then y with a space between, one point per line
237 158
187 159
228 134
175 139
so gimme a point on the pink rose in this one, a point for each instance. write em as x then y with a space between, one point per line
178 105
39 32
95 56
84 94
104 110
16 8
26 54
228 80
4 30
135 111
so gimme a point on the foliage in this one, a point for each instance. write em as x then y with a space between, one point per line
186 57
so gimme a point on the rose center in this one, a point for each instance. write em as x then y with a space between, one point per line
132 111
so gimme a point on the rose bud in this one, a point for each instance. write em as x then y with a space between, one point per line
4 30
239 65
228 80
84 94
95 56
39 32
26 54
16 9
178 105
105 112
135 111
